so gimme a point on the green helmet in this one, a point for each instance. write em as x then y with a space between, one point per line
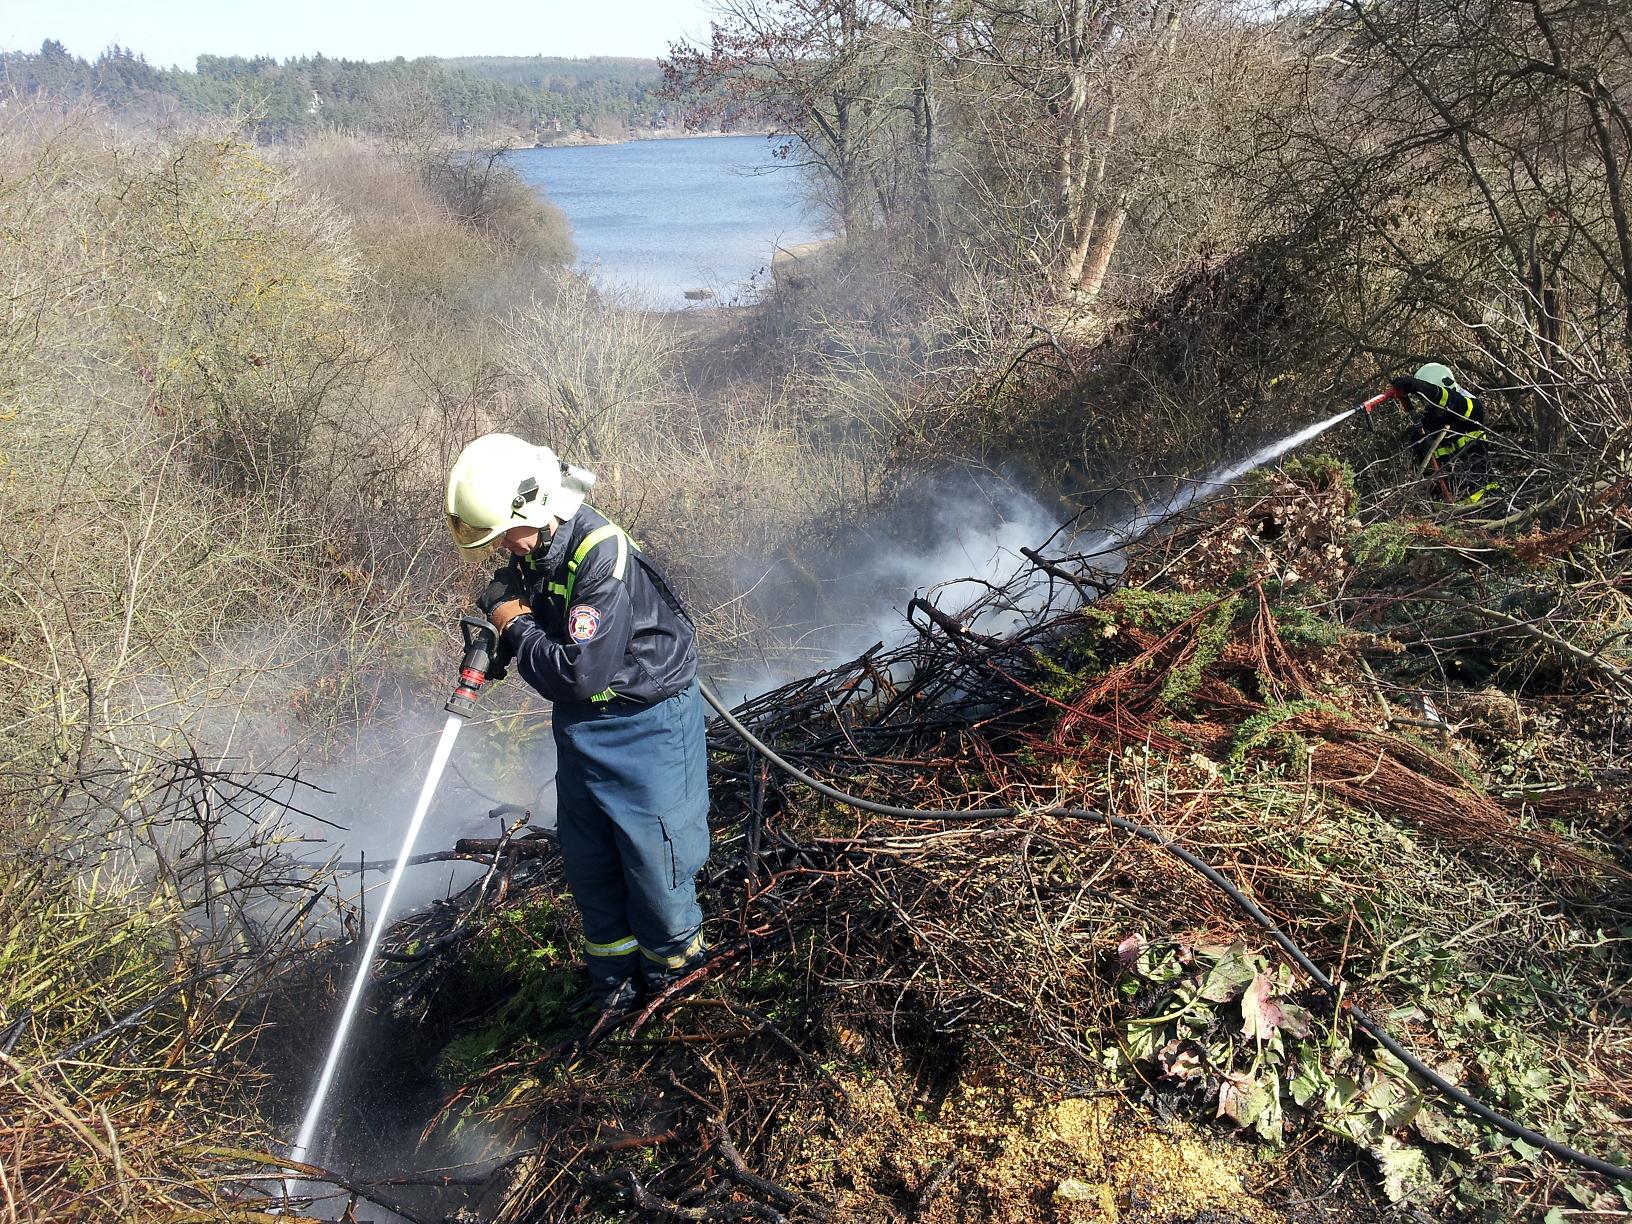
1437 374
500 481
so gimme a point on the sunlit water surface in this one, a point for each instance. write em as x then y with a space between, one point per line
662 217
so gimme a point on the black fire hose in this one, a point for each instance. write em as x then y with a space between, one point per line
1217 879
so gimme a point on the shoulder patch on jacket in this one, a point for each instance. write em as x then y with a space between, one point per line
582 622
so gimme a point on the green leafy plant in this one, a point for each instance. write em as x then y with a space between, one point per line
1223 1024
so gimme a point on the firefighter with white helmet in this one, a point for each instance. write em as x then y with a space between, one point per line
1450 435
593 625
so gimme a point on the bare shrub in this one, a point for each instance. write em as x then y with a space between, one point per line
591 371
405 243
239 313
485 192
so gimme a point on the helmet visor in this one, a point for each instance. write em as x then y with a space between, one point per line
467 536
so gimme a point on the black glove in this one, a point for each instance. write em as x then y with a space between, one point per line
498 667
506 584
1404 384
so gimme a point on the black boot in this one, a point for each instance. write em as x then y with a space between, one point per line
659 978
606 997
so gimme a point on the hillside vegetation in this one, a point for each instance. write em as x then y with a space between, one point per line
1090 248
519 98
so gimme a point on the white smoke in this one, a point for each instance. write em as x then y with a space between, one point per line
950 544
966 556
366 793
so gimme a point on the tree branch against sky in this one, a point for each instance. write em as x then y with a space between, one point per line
176 32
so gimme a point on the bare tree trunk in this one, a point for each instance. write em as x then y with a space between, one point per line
1170 30
924 121
843 156
1071 169
1089 256
1546 310
1086 208
1099 261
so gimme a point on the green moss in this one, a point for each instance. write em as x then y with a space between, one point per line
522 942
1262 728
1319 471
768 980
1053 679
1067 666
526 955
1160 611
466 1057
539 1003
1379 547
1301 627
1212 636
822 820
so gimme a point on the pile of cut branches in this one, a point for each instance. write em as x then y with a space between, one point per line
891 996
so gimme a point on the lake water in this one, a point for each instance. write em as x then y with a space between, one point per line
664 216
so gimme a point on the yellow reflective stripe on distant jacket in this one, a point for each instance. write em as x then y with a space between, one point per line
1455 442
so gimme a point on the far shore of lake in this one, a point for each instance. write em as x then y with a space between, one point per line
578 140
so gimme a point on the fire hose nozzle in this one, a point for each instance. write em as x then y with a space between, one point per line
1374 403
481 647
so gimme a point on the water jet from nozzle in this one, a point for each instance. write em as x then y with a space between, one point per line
1273 451
314 1111
1219 479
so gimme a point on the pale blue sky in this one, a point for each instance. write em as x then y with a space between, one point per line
177 31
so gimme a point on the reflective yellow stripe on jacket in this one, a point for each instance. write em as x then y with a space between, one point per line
1455 442
565 589
619 567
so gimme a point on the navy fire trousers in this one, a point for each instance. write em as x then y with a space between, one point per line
632 816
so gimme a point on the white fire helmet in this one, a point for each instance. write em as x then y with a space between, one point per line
501 481
1437 374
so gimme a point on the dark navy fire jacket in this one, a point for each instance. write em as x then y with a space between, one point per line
605 625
